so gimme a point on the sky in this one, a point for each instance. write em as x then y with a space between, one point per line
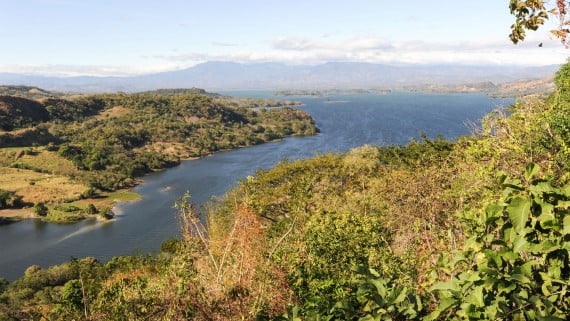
128 37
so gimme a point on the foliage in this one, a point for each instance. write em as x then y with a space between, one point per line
67 208
16 112
531 14
91 209
101 143
40 209
171 246
433 230
9 199
113 138
515 263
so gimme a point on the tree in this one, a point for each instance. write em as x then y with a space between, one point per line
531 14
40 209
3 284
9 199
91 209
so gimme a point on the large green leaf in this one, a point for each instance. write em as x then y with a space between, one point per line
547 220
492 212
476 296
446 286
520 244
518 211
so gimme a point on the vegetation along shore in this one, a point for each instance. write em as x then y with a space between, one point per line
67 157
474 229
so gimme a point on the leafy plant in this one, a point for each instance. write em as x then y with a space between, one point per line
515 264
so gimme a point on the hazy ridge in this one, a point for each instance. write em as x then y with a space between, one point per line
230 75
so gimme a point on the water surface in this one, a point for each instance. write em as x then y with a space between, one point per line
350 121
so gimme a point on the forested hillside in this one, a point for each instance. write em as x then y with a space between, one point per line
474 229
59 150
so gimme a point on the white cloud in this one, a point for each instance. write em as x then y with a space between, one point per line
293 43
295 50
90 70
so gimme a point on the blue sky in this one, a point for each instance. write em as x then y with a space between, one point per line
72 37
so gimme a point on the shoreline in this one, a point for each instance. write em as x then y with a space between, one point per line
9 216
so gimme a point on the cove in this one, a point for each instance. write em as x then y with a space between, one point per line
345 121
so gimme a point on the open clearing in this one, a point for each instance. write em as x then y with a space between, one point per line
39 187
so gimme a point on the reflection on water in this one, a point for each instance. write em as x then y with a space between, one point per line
91 224
143 225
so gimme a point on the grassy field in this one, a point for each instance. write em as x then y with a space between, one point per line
46 177
37 187
49 162
39 175
106 200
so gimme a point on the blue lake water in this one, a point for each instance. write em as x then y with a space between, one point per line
346 121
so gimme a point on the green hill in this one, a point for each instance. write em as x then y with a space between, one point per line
111 139
477 229
17 112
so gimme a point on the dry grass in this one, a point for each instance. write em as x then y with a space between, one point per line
48 178
176 150
108 200
39 187
234 272
116 111
53 186
17 213
50 162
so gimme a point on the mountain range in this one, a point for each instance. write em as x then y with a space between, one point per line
231 75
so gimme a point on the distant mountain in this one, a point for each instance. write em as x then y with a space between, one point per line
230 75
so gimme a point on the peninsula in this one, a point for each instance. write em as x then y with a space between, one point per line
65 157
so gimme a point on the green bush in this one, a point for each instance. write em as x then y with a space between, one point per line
91 209
106 213
67 208
515 261
3 285
9 199
172 246
40 209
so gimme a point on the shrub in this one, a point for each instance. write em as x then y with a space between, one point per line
515 262
52 147
40 209
67 208
9 199
172 246
91 209
106 213
3 285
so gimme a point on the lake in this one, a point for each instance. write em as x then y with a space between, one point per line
346 121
